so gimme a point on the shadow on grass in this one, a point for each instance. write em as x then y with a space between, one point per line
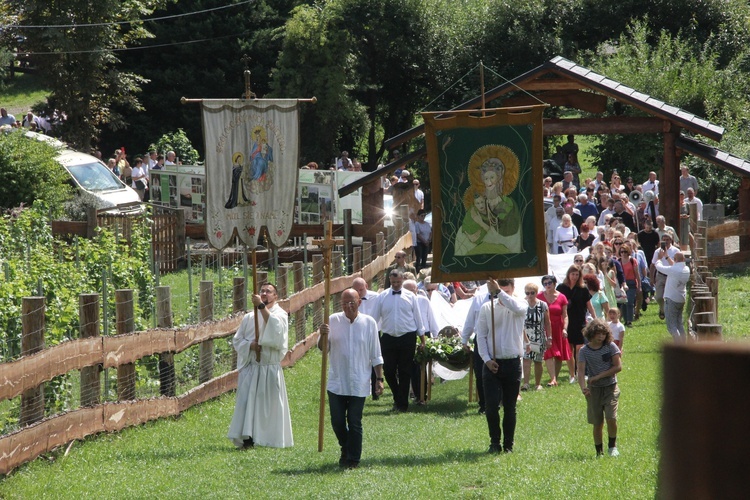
400 461
445 408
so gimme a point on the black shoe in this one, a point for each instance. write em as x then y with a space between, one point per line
375 398
352 464
343 461
494 448
507 449
481 411
644 306
248 443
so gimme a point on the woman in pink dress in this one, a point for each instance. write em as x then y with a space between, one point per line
559 351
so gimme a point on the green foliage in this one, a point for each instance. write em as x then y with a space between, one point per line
29 173
80 66
30 256
180 144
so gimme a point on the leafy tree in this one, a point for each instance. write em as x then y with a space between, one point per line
180 144
29 173
365 61
80 65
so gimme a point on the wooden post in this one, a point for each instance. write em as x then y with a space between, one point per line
317 276
669 187
422 381
32 340
88 312
282 281
705 466
703 318
705 304
92 222
744 209
124 324
708 332
298 271
167 382
336 272
206 361
327 244
180 238
356 260
366 252
348 254
380 251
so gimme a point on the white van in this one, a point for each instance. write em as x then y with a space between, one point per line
92 176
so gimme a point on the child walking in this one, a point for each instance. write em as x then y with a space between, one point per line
601 359
617 328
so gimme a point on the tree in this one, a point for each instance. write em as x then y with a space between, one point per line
365 61
79 63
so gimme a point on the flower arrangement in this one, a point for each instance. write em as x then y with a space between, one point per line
447 350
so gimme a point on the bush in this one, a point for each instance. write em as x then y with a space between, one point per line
180 144
29 173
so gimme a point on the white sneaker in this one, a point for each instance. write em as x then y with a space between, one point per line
613 452
572 380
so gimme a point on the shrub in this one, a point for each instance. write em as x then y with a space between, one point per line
180 144
29 173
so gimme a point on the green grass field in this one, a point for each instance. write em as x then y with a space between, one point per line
21 92
438 450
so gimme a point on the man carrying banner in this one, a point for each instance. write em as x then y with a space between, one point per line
261 413
501 350
354 350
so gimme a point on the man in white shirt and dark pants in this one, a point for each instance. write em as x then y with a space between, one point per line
368 304
354 350
400 322
501 351
678 275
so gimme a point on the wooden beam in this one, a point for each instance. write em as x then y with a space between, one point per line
585 101
552 84
609 125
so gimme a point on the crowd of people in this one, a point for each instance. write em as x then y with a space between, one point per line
138 174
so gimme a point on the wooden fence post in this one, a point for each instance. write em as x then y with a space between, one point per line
206 363
125 323
357 260
348 240
298 269
88 307
180 240
336 271
705 467
366 252
380 251
282 281
32 340
317 275
167 384
262 278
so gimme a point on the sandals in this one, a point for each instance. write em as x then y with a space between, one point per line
552 383
525 387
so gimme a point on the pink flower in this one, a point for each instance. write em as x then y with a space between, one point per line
218 234
279 232
251 231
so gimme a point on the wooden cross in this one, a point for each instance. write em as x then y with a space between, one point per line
248 93
327 244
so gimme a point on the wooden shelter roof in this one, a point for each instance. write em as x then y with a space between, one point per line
562 82
734 164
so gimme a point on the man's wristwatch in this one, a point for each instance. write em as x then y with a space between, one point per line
261 306
379 379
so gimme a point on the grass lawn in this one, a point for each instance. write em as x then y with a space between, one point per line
438 450
21 92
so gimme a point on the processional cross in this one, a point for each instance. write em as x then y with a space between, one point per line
327 244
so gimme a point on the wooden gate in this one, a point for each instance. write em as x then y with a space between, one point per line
167 232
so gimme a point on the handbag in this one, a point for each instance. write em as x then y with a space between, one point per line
620 295
140 185
535 347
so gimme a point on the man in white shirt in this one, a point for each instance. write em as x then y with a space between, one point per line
354 351
659 279
418 194
691 199
368 304
424 240
651 184
501 351
662 229
610 210
171 158
400 323
678 275
481 296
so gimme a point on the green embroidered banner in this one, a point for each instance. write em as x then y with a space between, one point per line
486 180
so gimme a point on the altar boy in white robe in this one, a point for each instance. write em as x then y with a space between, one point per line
261 413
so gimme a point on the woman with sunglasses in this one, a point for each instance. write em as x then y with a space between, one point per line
558 350
579 301
632 280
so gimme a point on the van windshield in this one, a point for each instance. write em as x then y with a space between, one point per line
95 177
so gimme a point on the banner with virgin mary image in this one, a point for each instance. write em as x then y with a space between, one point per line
486 180
251 169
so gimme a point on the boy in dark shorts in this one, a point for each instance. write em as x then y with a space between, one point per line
601 359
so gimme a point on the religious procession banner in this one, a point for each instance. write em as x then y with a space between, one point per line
251 169
486 179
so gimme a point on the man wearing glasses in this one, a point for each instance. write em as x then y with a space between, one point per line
354 351
400 323
399 265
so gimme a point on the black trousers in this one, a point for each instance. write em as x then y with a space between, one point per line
504 387
398 356
478 366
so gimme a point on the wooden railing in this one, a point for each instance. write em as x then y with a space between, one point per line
25 375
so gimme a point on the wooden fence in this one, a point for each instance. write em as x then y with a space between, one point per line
92 352
704 289
739 228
